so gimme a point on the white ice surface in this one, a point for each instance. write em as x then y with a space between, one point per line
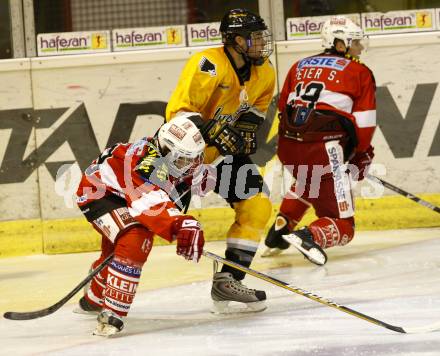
398 285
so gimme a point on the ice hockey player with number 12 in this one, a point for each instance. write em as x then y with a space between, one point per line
327 120
127 195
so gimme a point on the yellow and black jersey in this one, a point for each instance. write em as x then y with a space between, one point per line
210 86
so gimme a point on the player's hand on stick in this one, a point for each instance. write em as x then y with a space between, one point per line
225 138
362 161
247 125
190 240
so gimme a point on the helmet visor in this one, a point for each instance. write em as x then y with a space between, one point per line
182 166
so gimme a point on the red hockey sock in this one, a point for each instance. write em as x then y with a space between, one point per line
122 282
94 294
131 251
329 232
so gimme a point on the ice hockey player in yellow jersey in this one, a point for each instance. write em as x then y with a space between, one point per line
229 89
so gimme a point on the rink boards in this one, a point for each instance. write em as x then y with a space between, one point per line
65 110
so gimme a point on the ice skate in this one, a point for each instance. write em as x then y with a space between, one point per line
226 289
84 307
303 241
274 240
109 323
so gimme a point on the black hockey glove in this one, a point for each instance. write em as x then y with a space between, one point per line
225 138
247 124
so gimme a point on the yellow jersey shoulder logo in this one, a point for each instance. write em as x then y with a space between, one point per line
207 66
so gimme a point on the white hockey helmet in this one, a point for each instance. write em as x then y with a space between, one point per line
341 28
182 145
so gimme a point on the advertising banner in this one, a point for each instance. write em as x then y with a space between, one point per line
55 44
398 21
203 34
299 28
130 39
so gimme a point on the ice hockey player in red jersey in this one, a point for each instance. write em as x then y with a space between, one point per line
129 194
327 119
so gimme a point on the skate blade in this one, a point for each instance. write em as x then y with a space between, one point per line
105 330
78 310
314 255
223 308
271 252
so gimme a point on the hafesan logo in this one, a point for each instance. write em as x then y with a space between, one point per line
311 27
73 43
204 34
398 21
129 39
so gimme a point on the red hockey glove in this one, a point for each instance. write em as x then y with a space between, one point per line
189 238
362 161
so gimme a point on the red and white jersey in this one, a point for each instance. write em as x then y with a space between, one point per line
137 173
331 82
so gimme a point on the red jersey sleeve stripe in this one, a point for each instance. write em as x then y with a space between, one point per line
148 201
365 118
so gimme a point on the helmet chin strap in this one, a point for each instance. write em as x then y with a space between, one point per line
246 58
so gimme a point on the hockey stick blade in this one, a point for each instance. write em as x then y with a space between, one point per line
317 298
53 308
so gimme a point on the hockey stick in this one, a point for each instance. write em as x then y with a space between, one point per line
317 298
405 194
53 308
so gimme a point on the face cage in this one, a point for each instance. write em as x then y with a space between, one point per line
181 166
260 45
